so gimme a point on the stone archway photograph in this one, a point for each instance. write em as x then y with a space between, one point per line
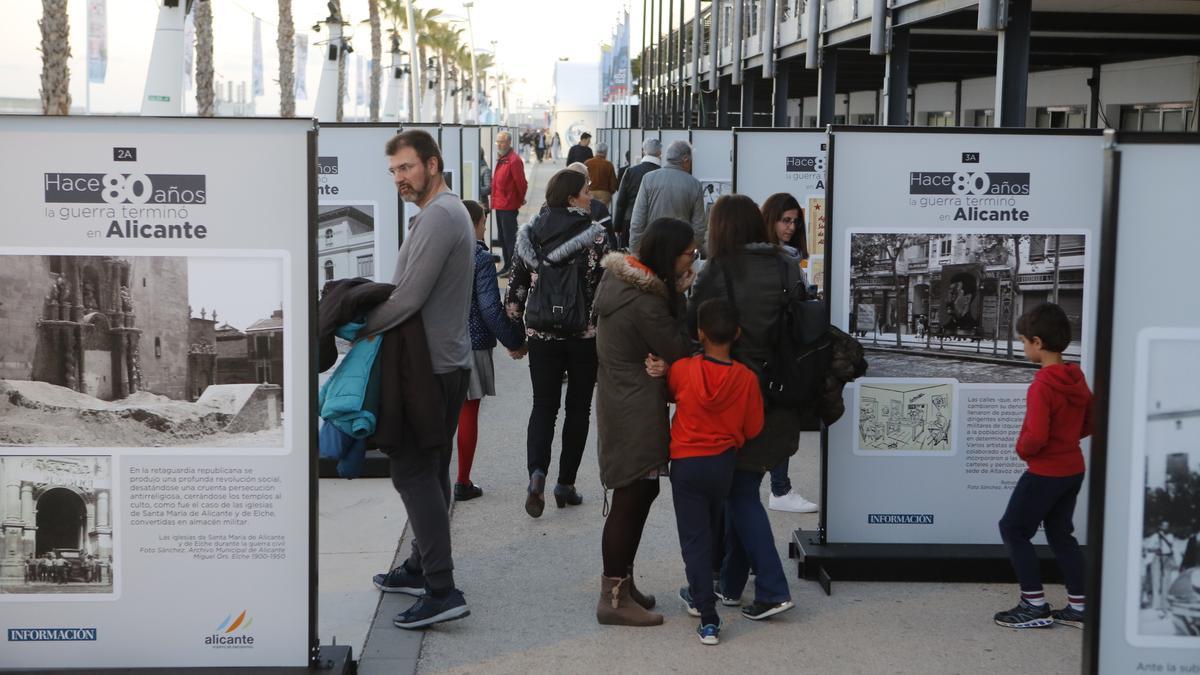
57 525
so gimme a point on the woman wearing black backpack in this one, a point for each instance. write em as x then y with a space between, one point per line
552 287
743 263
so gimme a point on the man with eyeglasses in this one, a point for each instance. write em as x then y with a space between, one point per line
434 277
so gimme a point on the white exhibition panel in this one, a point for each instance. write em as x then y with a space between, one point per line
115 227
353 182
487 140
452 157
712 154
472 156
669 136
1148 585
925 452
636 137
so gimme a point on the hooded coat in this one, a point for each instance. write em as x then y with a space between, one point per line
718 406
1057 415
634 319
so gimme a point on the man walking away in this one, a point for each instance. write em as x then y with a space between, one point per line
631 182
434 275
602 175
580 152
508 195
671 193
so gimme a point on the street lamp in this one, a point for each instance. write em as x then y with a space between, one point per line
474 72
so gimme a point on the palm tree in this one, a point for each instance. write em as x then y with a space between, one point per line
444 41
376 56
286 43
56 53
483 63
422 20
204 59
462 58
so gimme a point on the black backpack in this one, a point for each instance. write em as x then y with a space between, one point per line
557 303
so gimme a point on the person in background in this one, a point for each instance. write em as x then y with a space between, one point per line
640 311
604 177
580 152
556 147
539 144
671 193
508 195
599 210
488 323
1057 416
630 184
564 233
785 228
485 184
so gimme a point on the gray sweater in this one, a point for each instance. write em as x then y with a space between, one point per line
434 275
669 192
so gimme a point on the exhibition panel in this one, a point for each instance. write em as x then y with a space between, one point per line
158 332
452 157
472 157
938 242
712 162
669 136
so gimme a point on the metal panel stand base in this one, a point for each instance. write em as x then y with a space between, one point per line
331 660
907 562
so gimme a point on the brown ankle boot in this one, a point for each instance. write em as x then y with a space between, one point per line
616 608
643 599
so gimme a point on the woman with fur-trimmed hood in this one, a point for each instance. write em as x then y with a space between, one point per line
562 234
640 312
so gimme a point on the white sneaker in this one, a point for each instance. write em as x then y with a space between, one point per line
792 502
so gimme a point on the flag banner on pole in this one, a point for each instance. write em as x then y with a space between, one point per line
97 41
256 62
189 48
359 80
620 74
301 89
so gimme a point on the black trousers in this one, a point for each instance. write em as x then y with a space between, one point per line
507 222
548 360
699 486
1038 500
422 477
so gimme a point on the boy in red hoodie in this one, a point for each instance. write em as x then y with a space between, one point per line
1057 417
718 407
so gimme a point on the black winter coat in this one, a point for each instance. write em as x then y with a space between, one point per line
628 188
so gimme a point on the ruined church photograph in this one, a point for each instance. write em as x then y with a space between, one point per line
141 351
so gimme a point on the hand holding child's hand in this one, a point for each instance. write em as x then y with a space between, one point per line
655 367
520 352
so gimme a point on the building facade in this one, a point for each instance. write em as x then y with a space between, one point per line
264 349
345 243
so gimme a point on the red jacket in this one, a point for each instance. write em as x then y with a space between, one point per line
1058 413
508 183
718 406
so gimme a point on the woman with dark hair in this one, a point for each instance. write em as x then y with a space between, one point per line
563 234
640 312
745 268
785 227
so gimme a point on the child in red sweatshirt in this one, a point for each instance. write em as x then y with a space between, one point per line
718 407
1057 417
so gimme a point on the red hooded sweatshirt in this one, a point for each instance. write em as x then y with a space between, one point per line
718 406
1058 413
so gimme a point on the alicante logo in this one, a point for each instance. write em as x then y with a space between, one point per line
125 188
51 634
232 632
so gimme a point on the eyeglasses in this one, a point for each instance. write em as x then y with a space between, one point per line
695 254
790 221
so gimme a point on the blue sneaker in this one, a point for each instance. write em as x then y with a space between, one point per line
1025 615
428 610
400 580
685 594
710 634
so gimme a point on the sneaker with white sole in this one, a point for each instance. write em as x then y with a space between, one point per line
400 580
685 594
764 610
709 633
1025 615
428 610
792 502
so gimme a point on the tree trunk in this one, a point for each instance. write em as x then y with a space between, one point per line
56 54
1014 291
376 57
204 59
286 43
896 300
439 101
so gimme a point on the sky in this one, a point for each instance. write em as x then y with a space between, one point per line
531 36
242 290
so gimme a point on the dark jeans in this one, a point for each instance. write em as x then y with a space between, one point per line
548 360
1049 501
750 542
507 222
422 477
781 484
699 486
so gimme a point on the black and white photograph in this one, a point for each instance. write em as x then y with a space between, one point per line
345 242
58 525
946 305
1169 569
141 351
712 190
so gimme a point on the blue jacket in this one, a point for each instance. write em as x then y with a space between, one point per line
350 396
488 320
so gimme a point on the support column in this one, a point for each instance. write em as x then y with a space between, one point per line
724 94
746 117
827 87
1094 106
29 515
958 122
1012 65
779 97
895 83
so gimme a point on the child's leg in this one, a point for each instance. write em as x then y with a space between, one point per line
753 528
468 436
697 485
1060 528
1031 500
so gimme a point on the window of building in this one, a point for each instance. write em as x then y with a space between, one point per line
867 120
328 270
158 348
329 237
1061 117
984 118
1157 117
939 119
262 373
945 248
366 265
